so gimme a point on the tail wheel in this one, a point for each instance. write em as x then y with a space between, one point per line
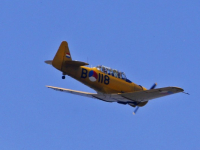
63 77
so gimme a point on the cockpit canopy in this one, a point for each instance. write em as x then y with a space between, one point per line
112 72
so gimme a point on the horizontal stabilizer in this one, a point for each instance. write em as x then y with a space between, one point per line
75 63
69 63
49 62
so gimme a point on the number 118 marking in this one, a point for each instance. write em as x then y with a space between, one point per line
104 79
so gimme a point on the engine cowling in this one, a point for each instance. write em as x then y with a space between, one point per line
140 104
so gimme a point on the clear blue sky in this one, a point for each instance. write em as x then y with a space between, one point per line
151 41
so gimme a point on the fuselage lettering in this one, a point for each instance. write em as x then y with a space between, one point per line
101 77
104 79
84 73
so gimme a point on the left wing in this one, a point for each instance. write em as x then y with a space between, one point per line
103 97
100 96
72 91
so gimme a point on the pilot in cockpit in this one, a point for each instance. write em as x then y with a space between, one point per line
119 75
105 71
123 76
102 69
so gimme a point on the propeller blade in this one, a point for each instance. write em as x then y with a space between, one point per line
136 109
153 86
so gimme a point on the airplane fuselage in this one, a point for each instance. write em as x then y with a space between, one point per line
100 81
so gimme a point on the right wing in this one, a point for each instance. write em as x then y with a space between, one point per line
146 95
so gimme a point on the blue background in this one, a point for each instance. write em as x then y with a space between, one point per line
151 41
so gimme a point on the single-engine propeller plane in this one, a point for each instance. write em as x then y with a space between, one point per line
111 85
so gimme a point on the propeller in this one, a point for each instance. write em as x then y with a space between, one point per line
153 86
136 109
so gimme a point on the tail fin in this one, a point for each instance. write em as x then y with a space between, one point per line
62 55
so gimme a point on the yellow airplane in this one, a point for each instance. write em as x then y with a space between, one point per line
110 84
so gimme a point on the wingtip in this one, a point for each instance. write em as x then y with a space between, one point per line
178 88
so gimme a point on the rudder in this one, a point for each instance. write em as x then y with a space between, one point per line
62 55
